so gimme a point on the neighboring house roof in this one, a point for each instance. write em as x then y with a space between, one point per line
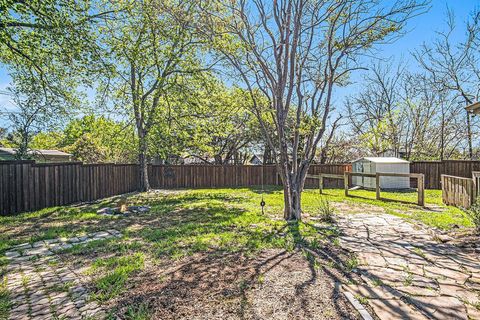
38 152
383 160
257 157
474 108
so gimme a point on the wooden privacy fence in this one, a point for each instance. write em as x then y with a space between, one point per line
434 169
27 186
212 176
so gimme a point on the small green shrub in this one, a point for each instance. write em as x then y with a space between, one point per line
474 214
138 312
351 263
325 210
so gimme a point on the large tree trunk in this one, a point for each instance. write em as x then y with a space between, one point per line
267 155
144 183
218 159
292 193
293 184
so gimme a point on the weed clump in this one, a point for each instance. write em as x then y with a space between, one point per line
325 210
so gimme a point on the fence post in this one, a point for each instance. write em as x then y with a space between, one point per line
470 192
345 183
444 192
320 184
377 185
421 190
474 186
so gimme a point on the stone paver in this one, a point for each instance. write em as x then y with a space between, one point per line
408 274
42 287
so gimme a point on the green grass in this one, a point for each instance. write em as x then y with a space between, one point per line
5 303
363 300
54 222
138 312
115 273
228 220
63 287
351 263
217 210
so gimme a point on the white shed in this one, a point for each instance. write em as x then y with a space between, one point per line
384 165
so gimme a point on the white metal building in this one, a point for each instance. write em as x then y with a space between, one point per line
385 165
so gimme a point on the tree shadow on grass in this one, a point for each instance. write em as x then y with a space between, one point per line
214 226
222 281
323 259
80 219
236 286
268 189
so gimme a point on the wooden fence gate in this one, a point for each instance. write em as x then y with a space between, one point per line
460 191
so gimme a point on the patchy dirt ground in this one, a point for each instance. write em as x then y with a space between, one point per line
275 284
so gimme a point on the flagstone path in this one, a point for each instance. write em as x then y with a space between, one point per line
408 274
42 287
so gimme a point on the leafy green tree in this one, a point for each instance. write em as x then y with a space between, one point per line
91 139
43 34
35 109
49 49
47 140
152 50
5 142
213 125
225 130
98 139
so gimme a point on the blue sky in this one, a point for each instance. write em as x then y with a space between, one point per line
420 29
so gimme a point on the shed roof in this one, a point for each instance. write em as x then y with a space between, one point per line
38 152
383 160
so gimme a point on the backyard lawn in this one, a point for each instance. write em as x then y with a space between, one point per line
211 252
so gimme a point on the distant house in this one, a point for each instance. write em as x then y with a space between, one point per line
256 160
37 155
